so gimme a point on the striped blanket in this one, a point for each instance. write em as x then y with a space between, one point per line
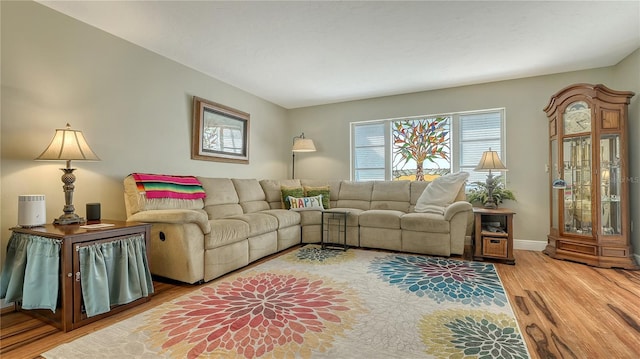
164 186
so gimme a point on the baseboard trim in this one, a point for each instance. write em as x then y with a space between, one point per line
529 245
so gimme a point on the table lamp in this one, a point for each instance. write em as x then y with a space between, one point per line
490 161
68 145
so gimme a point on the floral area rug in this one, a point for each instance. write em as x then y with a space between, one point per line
314 303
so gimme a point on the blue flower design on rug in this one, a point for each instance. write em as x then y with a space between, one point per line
442 279
459 333
316 255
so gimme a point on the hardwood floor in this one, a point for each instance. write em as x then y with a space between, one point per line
23 337
565 310
571 310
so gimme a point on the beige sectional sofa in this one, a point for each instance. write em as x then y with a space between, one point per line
242 220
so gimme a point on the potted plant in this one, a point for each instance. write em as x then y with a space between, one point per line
480 192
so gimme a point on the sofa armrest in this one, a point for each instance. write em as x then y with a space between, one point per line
455 208
460 216
175 216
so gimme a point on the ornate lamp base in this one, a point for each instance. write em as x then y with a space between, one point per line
490 186
490 205
69 217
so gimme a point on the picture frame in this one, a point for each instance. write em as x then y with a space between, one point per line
220 133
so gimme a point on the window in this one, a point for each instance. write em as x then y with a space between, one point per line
463 137
368 154
477 133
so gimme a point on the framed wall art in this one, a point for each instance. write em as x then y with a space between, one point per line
220 133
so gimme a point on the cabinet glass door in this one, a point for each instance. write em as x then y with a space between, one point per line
554 193
577 194
610 177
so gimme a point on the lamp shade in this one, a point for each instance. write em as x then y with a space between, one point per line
490 161
68 144
302 144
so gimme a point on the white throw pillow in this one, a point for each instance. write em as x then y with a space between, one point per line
441 192
305 203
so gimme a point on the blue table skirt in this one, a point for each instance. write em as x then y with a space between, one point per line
111 273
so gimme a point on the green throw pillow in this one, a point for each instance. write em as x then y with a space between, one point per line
324 191
290 192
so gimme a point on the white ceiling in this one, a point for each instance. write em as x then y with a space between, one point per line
304 53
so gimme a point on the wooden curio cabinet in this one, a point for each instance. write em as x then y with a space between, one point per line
588 176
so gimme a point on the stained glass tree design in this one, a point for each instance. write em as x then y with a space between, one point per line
419 141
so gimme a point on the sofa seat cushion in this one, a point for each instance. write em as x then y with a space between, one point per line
379 218
424 222
353 216
226 231
259 223
308 218
285 218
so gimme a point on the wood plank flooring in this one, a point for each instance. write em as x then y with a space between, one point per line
565 310
571 310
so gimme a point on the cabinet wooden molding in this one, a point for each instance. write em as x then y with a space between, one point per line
589 176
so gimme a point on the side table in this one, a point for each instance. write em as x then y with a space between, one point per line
493 234
334 224
70 312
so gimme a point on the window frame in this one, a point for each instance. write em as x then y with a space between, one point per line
455 136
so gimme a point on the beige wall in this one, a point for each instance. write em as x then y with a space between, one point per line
526 133
133 106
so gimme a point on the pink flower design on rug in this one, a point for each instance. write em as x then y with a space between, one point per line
282 314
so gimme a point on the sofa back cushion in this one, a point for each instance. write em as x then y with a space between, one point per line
393 195
273 190
334 188
251 195
418 187
136 200
355 195
222 200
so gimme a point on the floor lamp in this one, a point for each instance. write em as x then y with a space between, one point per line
67 145
490 161
300 144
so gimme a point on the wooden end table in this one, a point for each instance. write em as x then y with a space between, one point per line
69 314
493 234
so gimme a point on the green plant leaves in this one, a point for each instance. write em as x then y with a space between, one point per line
480 193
